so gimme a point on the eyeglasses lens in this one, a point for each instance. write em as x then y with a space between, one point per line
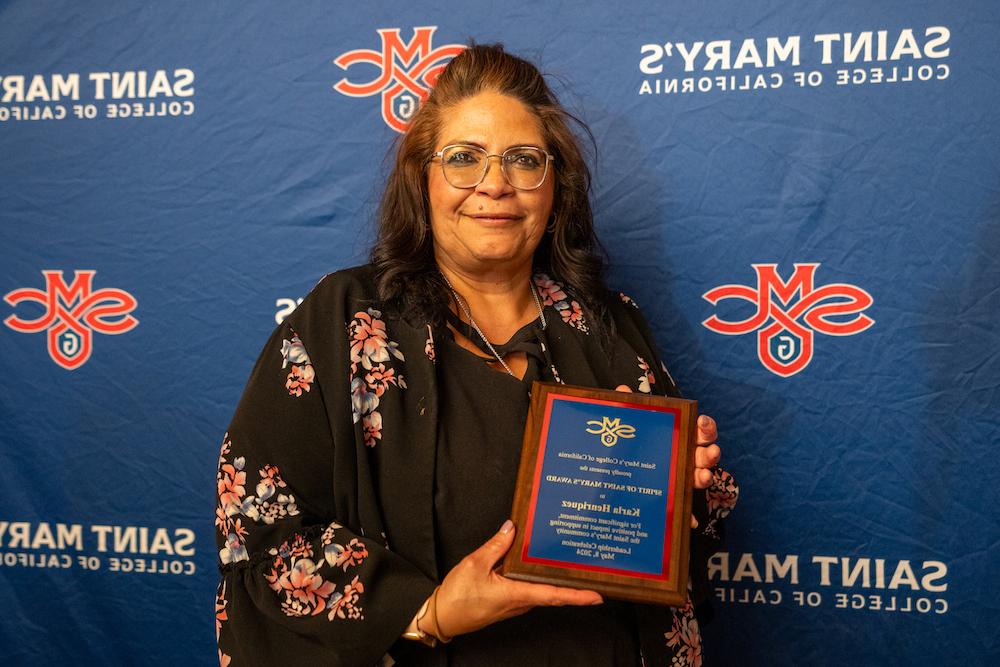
465 166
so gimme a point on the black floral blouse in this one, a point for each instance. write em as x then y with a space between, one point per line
326 517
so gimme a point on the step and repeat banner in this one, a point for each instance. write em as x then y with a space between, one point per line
802 197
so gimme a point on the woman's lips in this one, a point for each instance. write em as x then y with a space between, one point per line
493 218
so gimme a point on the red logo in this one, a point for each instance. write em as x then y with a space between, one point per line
71 313
407 72
788 312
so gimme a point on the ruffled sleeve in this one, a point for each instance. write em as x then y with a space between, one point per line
301 579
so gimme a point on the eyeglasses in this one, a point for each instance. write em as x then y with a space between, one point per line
464 166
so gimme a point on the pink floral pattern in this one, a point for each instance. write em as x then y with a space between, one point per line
298 578
573 316
371 349
299 379
303 591
646 380
429 346
684 637
230 478
338 555
267 505
722 496
552 294
370 342
379 378
302 375
347 604
549 291
352 554
221 615
371 426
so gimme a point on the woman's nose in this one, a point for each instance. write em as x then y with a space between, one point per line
494 180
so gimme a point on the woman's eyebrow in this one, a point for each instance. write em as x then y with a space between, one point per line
467 142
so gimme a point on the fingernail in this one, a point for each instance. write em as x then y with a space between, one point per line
506 527
596 602
703 421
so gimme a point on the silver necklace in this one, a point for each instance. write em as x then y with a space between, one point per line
468 313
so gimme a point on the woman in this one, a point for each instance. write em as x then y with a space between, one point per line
375 449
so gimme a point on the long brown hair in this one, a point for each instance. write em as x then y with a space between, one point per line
403 255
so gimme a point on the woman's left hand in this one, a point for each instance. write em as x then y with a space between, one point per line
706 456
708 453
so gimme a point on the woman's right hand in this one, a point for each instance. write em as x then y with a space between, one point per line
473 595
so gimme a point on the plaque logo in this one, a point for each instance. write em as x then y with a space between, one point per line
789 312
406 72
610 430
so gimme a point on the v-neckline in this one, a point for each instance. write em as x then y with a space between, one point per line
487 360
524 334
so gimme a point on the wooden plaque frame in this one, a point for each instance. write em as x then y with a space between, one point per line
668 587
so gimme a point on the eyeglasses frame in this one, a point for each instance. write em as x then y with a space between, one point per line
549 157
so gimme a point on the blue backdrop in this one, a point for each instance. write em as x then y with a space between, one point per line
802 197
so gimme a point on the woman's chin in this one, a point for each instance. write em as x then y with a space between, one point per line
502 259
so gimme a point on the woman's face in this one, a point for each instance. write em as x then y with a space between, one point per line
491 227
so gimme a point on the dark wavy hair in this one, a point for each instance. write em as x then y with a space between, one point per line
406 273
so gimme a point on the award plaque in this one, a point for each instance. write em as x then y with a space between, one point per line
603 497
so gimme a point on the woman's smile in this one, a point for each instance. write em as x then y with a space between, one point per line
494 218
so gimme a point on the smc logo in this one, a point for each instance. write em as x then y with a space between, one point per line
407 72
72 313
789 312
